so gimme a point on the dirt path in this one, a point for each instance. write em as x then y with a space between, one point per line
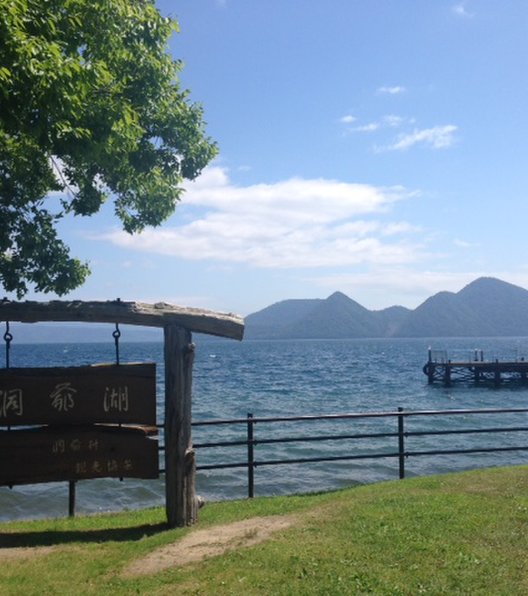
209 542
23 552
194 547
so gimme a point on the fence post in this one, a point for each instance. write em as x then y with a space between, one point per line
250 457
71 498
401 444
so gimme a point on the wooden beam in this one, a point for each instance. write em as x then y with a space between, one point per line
129 313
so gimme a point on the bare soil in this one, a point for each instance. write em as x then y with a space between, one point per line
194 547
23 552
209 542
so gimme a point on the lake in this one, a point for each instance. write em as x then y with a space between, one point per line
287 378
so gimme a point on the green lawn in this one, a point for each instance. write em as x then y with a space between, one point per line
453 534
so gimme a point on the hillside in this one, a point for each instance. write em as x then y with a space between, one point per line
336 317
486 307
270 321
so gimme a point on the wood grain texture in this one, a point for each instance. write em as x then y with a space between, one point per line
78 395
130 313
179 477
49 454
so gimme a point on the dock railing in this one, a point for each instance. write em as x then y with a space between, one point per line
398 438
473 367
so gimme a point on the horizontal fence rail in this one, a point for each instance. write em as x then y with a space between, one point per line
398 448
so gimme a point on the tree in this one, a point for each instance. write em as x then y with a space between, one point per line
90 109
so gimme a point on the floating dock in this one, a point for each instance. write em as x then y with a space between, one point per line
439 368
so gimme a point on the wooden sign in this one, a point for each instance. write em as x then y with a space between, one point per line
124 393
76 453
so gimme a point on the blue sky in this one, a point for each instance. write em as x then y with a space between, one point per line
376 147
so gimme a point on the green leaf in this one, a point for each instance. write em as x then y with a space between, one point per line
90 85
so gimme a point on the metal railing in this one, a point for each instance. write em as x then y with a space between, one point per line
401 435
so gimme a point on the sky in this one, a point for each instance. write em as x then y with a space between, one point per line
372 147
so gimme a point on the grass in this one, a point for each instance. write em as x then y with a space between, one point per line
454 534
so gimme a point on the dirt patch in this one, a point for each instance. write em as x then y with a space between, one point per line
23 552
209 542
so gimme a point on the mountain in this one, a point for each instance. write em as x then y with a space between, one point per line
336 317
270 321
503 304
486 307
443 315
391 319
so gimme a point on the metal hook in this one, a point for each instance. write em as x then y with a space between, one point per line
116 335
8 338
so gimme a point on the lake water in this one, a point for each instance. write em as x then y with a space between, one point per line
288 378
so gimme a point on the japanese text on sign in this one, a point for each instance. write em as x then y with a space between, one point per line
115 399
11 403
78 395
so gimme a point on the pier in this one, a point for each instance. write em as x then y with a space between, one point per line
439 368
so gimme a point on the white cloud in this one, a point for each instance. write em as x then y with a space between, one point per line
348 119
400 227
393 121
292 223
387 121
461 10
395 90
463 243
438 137
371 127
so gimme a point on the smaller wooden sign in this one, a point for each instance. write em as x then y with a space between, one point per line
123 393
75 453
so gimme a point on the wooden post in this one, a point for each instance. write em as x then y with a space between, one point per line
430 367
497 373
179 456
447 374
191 500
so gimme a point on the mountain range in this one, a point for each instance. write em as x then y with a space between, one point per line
487 307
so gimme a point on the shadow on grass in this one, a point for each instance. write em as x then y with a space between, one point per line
57 537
